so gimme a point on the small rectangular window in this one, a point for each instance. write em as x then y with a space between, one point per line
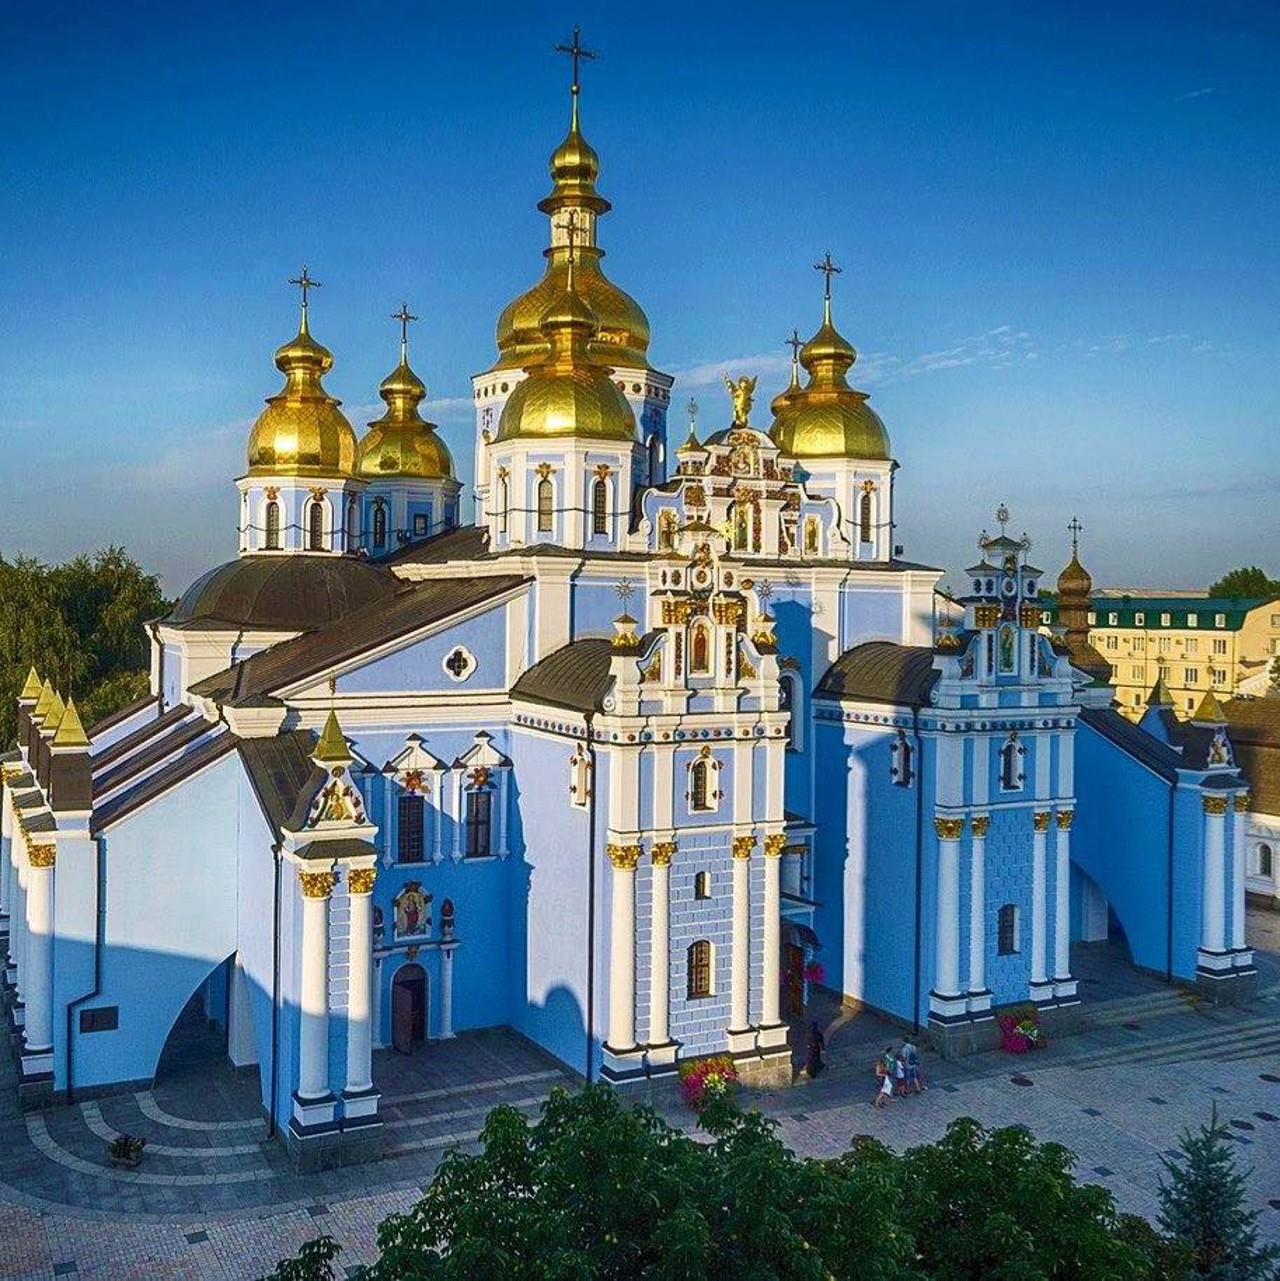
105 1018
699 970
420 524
1193 645
702 885
1219 620
409 847
1113 620
1193 620
1219 645
1007 930
479 824
1139 619
1113 642
1166 619
1190 675
1093 619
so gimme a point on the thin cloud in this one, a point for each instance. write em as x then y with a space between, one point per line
1195 93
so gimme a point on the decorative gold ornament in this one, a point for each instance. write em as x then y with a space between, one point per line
624 857
743 845
545 471
317 884
981 825
948 642
986 615
1029 617
662 853
774 845
42 855
1242 802
1215 805
1041 820
948 829
604 471
742 394
360 880
1065 818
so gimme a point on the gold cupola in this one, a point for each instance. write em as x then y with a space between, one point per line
827 418
302 432
622 337
402 443
568 393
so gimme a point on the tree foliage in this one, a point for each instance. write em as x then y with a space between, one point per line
1244 583
81 625
599 1189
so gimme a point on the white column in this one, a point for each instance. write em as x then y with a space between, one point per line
1062 898
1212 914
504 787
770 996
458 816
740 947
660 944
360 981
978 905
947 926
1039 898
437 813
313 1032
622 947
1237 873
37 993
446 994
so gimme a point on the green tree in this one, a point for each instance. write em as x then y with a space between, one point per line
81 624
1202 1206
1244 583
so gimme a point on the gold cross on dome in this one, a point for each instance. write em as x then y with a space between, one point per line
576 52
795 342
1075 527
828 269
570 229
404 316
304 282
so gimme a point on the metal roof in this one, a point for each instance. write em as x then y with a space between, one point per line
575 677
881 672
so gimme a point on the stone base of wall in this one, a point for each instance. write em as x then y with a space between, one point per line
327 1149
968 1036
765 1071
1232 987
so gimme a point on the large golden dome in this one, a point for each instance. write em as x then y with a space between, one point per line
567 394
828 418
302 432
402 442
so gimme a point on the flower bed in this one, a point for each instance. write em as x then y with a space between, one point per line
708 1082
1020 1031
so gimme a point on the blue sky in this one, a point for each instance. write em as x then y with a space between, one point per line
1057 224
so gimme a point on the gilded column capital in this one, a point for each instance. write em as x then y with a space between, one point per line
317 884
42 855
1041 820
1215 805
774 845
981 824
662 853
360 880
1242 802
624 857
1065 818
743 845
948 829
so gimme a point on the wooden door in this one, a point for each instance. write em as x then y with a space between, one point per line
795 981
402 1017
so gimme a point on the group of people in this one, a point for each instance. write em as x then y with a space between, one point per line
898 1073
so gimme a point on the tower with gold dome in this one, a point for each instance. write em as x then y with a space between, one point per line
620 341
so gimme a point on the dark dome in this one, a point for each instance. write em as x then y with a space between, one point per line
282 593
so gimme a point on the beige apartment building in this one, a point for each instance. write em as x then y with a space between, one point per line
1197 643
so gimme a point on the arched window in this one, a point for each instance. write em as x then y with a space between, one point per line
667 521
273 526
353 524
864 516
902 761
600 507
1011 765
410 811
1266 860
315 527
379 524
655 461
1007 930
504 504
479 823
700 649
699 785
702 885
699 969
546 496
789 702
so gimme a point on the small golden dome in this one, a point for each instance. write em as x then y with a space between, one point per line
302 432
402 442
827 418
1075 580
567 394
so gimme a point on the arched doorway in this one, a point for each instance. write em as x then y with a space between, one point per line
408 1008
197 1039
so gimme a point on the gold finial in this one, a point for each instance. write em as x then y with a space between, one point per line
742 393
576 53
44 702
71 729
404 317
304 283
828 269
332 744
31 689
53 717
1075 527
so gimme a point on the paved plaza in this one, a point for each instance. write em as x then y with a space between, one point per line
215 1197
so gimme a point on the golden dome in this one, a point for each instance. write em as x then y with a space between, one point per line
567 394
1075 580
402 442
828 418
302 432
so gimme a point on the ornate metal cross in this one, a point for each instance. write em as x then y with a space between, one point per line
577 53
304 282
570 229
795 343
828 269
1075 527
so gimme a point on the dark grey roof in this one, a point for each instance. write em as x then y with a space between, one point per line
573 677
467 542
143 734
337 847
881 672
281 592
414 606
1254 727
156 750
281 773
162 780
132 709
1135 741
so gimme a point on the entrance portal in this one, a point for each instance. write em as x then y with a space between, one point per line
794 982
408 1008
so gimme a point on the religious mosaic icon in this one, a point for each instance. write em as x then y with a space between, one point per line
413 911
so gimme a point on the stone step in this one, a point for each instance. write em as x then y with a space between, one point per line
462 1127
1250 1039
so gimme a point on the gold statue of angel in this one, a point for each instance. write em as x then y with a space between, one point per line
742 393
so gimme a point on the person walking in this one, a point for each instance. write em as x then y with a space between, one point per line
816 1047
913 1080
886 1066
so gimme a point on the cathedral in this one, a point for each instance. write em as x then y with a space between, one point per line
665 740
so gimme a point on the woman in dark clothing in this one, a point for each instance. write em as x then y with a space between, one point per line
817 1046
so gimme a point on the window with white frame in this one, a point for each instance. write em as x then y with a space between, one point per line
1193 620
791 701
703 794
1113 620
1140 619
1007 941
1219 620
701 976
1193 645
1011 773
1166 620
1219 644
1266 860
902 766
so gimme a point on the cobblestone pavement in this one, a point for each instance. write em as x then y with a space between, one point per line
215 1199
